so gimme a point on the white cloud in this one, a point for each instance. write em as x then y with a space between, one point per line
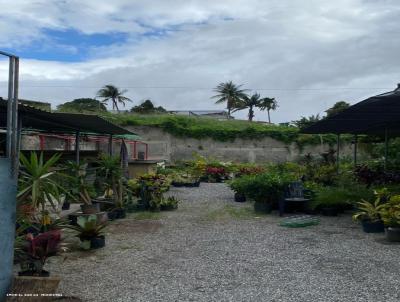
281 45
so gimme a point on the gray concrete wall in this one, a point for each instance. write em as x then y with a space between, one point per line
165 146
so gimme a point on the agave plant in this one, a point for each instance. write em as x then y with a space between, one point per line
37 181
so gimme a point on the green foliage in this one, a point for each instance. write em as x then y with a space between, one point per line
370 211
266 187
147 107
88 227
340 196
77 184
37 181
113 94
336 108
226 130
83 105
391 212
169 203
305 122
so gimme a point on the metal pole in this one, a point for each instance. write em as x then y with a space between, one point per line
110 145
338 153
9 106
77 147
8 181
14 140
355 149
386 148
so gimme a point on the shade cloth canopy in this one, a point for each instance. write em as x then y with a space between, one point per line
33 118
374 115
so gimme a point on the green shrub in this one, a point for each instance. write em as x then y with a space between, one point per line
340 196
266 187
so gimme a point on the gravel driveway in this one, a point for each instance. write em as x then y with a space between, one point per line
213 249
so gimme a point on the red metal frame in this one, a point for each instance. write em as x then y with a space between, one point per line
68 139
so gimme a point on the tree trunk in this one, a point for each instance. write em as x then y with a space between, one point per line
251 114
269 117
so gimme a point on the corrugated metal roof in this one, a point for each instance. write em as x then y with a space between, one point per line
33 118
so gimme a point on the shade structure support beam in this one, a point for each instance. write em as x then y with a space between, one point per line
338 153
110 145
355 149
386 148
77 147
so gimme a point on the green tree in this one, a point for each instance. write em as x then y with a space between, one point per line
110 92
305 122
230 94
82 105
249 102
148 107
268 104
338 107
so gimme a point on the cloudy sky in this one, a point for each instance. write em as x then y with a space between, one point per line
306 54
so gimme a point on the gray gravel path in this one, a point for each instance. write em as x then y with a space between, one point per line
212 249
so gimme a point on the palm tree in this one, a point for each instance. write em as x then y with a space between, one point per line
229 93
249 102
110 92
268 104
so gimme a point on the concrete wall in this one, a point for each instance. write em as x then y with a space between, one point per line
165 146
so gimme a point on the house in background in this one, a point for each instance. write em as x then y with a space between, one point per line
217 114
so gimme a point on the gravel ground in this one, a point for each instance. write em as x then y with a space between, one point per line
212 249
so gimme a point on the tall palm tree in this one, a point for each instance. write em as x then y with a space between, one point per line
229 93
268 104
110 92
249 102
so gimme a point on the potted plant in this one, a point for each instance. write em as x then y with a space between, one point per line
237 185
390 214
90 231
369 215
111 172
33 254
38 183
79 187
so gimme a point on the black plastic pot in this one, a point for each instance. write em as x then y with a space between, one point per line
112 215
43 273
329 211
372 227
120 213
97 242
262 207
66 205
90 208
240 197
393 234
178 184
